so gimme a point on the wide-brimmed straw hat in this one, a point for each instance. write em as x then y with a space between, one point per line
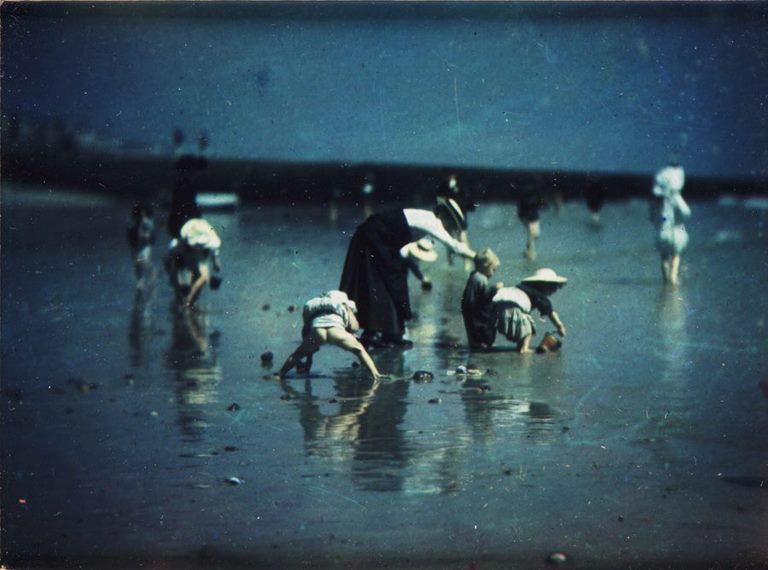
453 212
546 275
422 250
199 233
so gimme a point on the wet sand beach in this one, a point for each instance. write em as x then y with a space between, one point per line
139 435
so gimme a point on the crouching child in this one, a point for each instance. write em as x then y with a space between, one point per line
514 306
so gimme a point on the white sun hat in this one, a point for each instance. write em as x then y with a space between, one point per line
199 233
421 250
546 275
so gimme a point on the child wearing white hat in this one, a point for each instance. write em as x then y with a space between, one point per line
514 306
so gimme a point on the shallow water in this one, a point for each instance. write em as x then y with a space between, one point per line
640 443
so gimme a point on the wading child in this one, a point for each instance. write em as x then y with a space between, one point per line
514 306
141 237
668 212
477 306
329 319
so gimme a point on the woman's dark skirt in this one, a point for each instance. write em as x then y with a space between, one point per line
375 277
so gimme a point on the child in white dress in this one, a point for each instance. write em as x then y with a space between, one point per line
669 209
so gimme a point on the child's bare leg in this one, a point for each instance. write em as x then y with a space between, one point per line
674 267
197 286
534 230
525 344
306 365
307 347
348 342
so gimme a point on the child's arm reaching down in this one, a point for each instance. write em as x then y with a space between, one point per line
555 318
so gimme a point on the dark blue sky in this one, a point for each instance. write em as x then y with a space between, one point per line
605 87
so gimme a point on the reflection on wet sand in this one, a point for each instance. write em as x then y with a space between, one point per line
140 328
196 374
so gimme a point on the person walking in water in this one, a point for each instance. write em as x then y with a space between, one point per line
141 238
375 276
668 211
529 203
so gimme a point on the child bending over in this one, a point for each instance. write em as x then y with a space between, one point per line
329 319
514 306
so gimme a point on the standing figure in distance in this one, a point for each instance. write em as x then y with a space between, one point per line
141 237
668 211
528 205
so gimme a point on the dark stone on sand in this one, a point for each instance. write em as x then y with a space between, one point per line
332 401
423 376
82 386
355 364
557 558
265 307
267 357
434 401
230 448
13 394
233 407
291 308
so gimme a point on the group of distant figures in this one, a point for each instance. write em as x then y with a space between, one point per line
373 295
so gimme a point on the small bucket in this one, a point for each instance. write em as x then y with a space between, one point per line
550 343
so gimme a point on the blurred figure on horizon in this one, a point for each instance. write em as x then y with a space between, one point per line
191 257
141 238
367 192
184 194
514 306
375 276
529 202
328 319
668 210
477 306
594 196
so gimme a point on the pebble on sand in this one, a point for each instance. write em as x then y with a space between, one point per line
557 558
423 376
267 357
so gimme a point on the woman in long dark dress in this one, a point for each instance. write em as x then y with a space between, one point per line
375 276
